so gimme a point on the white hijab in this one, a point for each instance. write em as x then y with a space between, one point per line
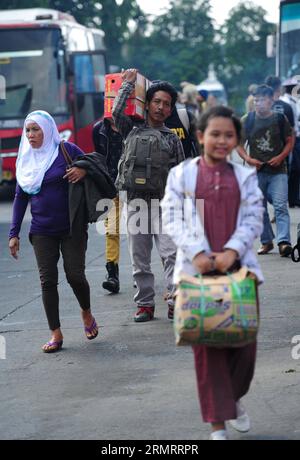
32 164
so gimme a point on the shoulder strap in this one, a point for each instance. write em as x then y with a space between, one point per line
184 118
249 125
66 154
281 124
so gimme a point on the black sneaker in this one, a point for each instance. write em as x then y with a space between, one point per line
285 249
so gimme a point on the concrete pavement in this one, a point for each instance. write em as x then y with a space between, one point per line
131 382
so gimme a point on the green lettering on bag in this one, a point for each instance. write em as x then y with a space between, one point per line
244 291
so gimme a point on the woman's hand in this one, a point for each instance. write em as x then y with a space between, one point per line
14 247
203 263
75 174
224 260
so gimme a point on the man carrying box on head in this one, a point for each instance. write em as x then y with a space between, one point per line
150 151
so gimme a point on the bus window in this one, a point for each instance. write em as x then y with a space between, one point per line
84 74
289 58
89 72
33 68
99 72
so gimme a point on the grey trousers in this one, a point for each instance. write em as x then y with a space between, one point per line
143 226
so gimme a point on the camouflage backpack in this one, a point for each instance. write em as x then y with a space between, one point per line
145 162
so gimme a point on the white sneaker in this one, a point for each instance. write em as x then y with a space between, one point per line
242 422
220 435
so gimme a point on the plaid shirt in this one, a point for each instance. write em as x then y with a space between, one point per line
125 124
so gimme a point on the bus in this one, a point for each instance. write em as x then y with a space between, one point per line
48 61
288 49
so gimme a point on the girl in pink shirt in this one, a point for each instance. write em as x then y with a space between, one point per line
230 221
223 375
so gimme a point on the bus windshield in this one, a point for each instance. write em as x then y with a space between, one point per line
33 66
289 63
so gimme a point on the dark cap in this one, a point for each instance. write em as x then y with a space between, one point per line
203 93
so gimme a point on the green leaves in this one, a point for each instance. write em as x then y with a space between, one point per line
180 44
244 35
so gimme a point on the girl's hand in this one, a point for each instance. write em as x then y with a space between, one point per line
75 174
253 162
203 263
224 260
14 247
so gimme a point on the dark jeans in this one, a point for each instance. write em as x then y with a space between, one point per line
47 252
275 190
294 175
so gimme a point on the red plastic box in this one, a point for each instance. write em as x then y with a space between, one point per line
114 81
134 108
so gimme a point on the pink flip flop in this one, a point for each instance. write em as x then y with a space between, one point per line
92 331
52 347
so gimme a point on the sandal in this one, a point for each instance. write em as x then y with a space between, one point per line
52 347
92 331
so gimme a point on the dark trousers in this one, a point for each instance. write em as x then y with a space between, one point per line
47 252
223 375
294 176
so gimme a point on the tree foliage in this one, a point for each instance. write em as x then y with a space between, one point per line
111 16
179 44
244 36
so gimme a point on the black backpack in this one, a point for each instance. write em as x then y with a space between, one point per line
145 162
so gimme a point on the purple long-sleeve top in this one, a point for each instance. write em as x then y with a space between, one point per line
49 207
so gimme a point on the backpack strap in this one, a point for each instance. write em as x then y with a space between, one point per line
132 164
281 124
66 154
133 157
184 118
249 125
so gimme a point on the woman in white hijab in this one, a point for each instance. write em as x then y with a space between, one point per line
37 152
42 180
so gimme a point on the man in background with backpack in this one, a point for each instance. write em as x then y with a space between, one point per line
183 123
279 105
150 151
287 105
270 139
